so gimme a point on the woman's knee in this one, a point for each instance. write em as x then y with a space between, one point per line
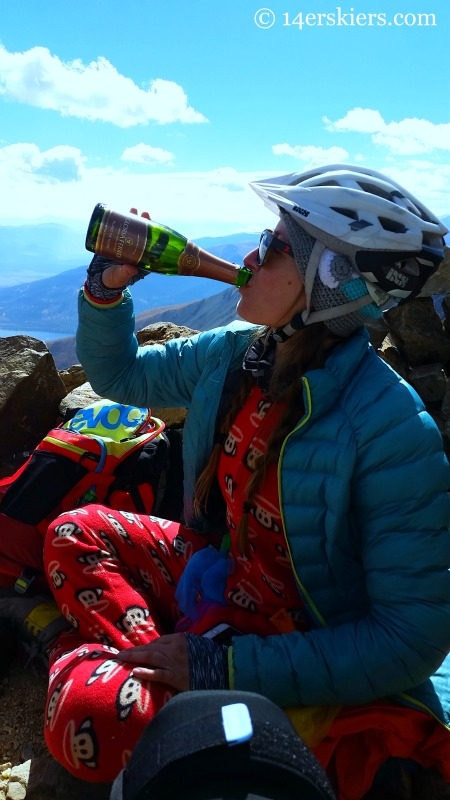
95 712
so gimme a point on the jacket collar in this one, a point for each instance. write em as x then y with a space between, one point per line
328 382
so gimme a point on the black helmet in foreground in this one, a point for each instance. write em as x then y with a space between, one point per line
221 745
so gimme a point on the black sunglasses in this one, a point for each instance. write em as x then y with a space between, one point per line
267 242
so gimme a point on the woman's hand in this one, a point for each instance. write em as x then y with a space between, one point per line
119 275
165 660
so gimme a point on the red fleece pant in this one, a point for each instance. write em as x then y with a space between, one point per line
113 575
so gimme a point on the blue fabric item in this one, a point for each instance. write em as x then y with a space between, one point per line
203 582
364 495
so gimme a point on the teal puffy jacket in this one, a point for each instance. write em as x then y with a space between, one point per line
363 484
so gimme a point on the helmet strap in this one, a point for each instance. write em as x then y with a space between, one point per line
282 334
259 360
310 274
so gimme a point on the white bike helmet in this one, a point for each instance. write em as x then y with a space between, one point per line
391 238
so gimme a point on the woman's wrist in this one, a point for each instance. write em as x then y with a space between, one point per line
101 302
94 285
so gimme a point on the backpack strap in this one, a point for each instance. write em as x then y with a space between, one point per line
25 579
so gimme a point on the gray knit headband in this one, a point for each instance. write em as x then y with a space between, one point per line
331 283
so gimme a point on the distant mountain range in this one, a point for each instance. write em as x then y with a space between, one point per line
31 252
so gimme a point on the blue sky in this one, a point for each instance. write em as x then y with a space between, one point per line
175 105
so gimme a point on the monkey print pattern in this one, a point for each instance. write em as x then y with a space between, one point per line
104 672
108 544
135 617
147 581
88 597
117 527
257 416
246 596
234 437
132 694
231 525
56 575
163 547
81 744
132 519
230 486
254 452
93 560
182 547
91 598
52 704
275 585
266 514
66 533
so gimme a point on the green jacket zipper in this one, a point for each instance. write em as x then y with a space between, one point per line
306 417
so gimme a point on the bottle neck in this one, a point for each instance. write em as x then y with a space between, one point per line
198 262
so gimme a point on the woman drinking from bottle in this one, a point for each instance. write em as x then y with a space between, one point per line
312 562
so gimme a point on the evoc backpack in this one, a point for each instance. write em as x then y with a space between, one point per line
108 453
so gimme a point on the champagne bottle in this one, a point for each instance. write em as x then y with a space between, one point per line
151 246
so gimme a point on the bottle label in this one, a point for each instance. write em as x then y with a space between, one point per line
121 238
189 260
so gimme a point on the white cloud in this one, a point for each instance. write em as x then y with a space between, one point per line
428 181
311 155
362 120
227 178
408 137
95 91
146 154
58 164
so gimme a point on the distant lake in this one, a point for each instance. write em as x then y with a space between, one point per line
44 336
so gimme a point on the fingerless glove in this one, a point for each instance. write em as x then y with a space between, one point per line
94 283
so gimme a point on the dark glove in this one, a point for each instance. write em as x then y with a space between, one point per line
94 282
208 663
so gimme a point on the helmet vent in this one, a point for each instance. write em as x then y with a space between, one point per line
392 225
371 188
346 212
